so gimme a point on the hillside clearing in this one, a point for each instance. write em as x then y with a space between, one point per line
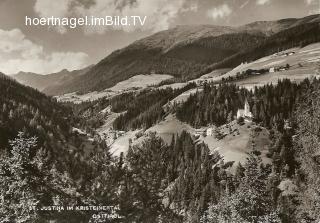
234 146
132 84
303 64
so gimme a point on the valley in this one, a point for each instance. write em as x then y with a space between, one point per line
197 123
303 62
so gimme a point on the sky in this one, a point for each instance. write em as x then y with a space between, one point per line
49 49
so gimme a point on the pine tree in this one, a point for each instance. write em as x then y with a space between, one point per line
17 182
249 203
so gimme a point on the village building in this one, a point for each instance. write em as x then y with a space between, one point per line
272 70
287 124
245 113
282 69
199 132
210 131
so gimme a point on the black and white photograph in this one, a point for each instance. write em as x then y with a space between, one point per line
159 111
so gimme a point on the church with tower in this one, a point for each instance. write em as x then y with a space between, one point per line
245 113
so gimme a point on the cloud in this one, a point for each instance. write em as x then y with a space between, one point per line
263 2
160 13
17 53
309 2
48 64
244 4
314 6
56 8
14 41
219 12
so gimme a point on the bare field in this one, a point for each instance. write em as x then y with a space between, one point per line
303 62
170 126
233 147
185 95
134 83
216 74
296 75
140 81
121 144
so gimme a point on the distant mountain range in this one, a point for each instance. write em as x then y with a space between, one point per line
185 52
47 83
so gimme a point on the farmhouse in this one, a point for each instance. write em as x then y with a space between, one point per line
245 113
201 131
210 131
272 70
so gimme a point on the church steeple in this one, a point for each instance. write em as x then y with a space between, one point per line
245 113
246 107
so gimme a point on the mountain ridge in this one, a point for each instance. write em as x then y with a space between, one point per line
44 82
188 52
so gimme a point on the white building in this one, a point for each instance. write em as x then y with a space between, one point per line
272 70
200 132
210 131
287 124
245 113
